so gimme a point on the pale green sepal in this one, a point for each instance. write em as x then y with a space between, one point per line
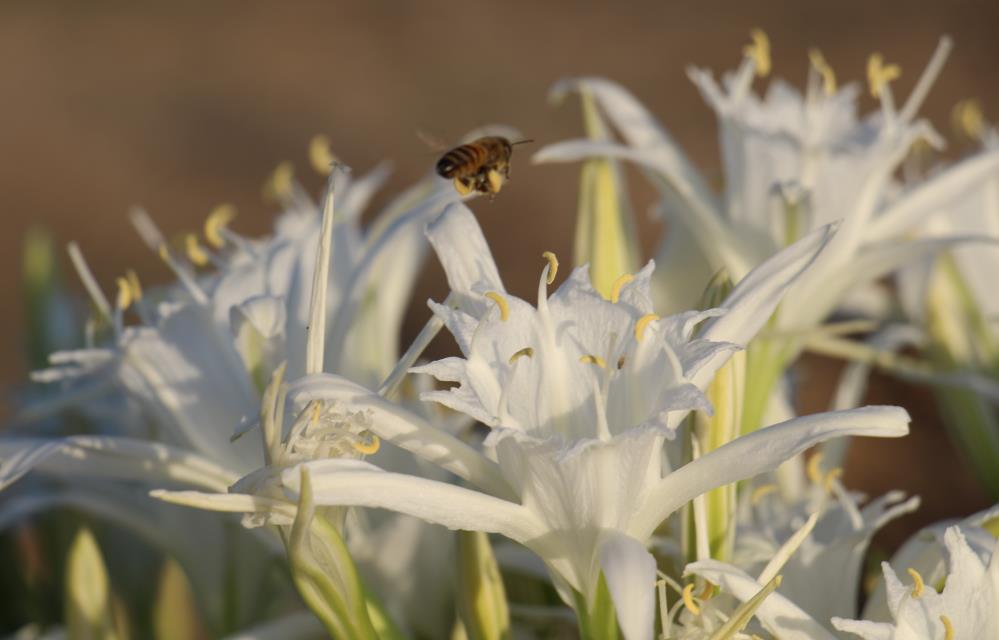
175 612
88 591
741 617
482 604
597 620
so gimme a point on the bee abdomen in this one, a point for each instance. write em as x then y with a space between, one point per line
460 162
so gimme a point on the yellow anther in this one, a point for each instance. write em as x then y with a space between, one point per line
321 155
504 307
831 476
195 252
759 51
707 592
688 600
879 74
369 447
828 75
133 284
552 265
618 285
526 351
279 185
592 359
164 252
761 491
642 323
813 468
124 300
948 627
217 220
967 118
317 410
917 582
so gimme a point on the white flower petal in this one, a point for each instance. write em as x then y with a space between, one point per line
760 451
356 483
630 571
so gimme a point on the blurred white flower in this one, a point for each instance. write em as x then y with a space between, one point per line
966 608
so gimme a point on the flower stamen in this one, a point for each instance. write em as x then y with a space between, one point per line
216 222
321 156
688 599
195 253
948 627
822 67
133 284
526 351
124 299
831 476
592 359
917 582
279 185
879 74
501 303
369 446
813 469
967 118
618 285
760 492
759 52
552 265
642 323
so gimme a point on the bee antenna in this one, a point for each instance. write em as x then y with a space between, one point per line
524 141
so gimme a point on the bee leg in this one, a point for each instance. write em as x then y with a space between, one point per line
462 187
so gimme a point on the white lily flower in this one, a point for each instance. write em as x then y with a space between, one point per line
574 467
792 163
966 608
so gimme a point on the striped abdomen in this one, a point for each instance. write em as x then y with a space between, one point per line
468 159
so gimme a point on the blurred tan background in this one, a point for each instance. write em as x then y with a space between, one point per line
184 105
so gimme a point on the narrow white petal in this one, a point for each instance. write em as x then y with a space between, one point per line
630 571
866 629
281 511
355 483
464 252
778 614
761 451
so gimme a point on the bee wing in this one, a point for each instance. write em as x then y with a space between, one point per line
434 143
501 130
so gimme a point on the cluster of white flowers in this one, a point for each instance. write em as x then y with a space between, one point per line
628 437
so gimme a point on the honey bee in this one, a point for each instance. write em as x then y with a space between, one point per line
482 165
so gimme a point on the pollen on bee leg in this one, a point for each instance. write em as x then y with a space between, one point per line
759 51
688 599
552 265
217 220
462 187
592 359
526 351
369 446
618 285
879 74
195 252
501 303
642 323
495 179
917 582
